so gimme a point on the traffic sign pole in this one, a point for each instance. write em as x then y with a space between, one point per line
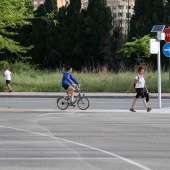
160 36
159 75
169 72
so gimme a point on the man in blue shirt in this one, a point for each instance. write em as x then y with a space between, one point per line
67 82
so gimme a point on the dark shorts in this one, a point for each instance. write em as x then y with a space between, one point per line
66 86
7 81
140 93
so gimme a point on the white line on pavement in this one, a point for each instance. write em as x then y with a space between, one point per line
82 158
83 145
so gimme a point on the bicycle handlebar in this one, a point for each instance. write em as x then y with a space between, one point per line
78 86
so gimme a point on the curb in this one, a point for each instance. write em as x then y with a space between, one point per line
89 95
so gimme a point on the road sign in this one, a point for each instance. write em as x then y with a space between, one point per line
166 49
167 34
153 46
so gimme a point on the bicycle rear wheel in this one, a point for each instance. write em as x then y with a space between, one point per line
62 103
83 103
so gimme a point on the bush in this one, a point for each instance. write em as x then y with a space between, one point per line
3 64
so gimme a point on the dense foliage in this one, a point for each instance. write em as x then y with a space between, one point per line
14 14
82 38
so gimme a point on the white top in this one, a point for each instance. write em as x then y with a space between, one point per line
140 81
7 74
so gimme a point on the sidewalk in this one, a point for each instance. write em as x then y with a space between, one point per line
90 95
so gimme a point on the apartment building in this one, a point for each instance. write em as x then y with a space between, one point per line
122 11
36 3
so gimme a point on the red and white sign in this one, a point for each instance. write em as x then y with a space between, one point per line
167 34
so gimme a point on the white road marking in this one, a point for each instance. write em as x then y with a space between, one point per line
71 111
162 111
57 158
83 145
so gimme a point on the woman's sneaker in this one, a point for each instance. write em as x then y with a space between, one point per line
149 109
132 110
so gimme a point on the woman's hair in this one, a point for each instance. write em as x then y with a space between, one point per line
140 67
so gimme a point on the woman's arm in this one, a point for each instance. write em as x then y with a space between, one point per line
131 87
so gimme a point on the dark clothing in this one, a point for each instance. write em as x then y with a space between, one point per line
7 81
147 96
65 86
140 93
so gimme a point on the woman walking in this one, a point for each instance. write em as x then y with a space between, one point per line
139 83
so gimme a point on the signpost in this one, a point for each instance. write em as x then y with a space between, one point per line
160 36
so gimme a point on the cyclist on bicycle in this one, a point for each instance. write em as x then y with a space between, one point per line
67 82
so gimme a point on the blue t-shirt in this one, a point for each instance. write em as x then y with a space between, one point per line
68 78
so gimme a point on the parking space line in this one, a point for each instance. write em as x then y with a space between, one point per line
83 145
82 158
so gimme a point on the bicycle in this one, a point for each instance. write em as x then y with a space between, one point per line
82 101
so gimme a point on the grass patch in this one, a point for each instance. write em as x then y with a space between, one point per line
28 79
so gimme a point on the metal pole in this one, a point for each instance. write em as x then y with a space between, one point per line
169 71
128 18
159 75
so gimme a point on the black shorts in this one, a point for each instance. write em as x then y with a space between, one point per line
7 81
66 86
140 93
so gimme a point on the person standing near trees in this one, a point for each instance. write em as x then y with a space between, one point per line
7 74
139 83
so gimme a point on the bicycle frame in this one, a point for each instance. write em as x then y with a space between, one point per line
81 101
78 96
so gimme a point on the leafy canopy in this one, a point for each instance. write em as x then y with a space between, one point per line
14 14
140 46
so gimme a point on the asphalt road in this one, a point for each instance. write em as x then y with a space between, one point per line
35 135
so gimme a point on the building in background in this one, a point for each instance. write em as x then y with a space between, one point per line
84 4
122 11
36 3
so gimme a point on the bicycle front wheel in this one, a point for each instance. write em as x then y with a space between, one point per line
83 103
62 103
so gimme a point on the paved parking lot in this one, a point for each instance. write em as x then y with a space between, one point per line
34 134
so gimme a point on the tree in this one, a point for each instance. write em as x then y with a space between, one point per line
146 14
42 33
139 47
70 29
82 33
14 14
167 13
97 27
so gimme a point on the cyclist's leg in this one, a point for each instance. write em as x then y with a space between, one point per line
71 91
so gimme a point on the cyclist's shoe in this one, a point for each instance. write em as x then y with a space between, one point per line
132 110
149 109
